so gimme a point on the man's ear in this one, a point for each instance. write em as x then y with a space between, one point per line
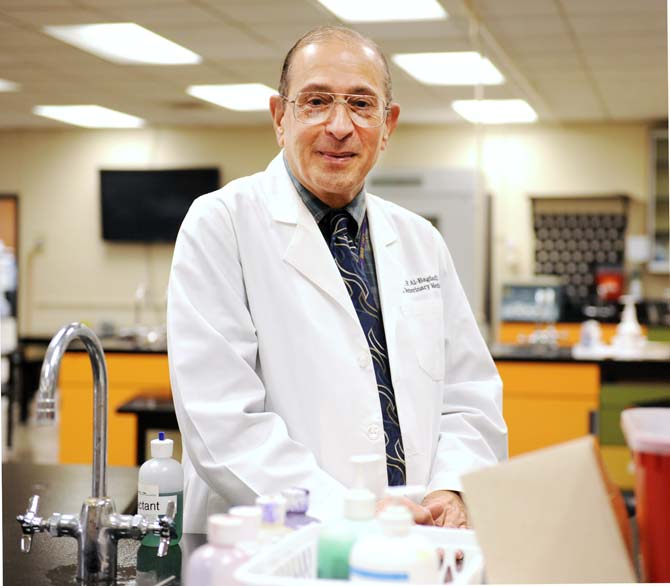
390 123
277 111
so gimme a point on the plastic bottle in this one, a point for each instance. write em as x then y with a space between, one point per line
336 538
214 563
251 523
395 555
297 503
273 516
160 481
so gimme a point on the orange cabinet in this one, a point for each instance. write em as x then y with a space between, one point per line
546 403
129 375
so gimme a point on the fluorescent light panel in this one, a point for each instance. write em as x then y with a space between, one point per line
385 10
8 86
495 111
456 68
243 97
89 116
124 42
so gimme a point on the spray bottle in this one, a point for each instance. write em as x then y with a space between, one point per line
160 481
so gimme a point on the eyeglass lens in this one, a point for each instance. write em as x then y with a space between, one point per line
316 107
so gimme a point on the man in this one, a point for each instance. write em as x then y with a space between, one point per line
309 321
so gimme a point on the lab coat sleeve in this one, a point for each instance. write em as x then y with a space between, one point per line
236 447
473 433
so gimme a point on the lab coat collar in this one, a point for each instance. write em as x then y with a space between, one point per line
308 252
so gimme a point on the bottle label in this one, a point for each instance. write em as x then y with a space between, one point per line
356 574
151 504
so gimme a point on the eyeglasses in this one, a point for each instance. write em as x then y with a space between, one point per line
317 107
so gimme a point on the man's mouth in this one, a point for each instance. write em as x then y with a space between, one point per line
337 156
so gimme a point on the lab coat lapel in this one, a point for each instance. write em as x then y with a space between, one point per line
386 246
307 250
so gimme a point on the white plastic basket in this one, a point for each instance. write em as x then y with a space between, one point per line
293 560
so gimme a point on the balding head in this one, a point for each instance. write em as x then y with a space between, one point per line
328 33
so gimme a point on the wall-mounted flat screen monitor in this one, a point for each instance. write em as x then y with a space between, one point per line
149 205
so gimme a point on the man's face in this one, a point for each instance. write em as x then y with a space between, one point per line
332 158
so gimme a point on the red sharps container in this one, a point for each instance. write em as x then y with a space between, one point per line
647 431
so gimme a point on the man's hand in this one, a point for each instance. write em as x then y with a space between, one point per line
447 509
421 514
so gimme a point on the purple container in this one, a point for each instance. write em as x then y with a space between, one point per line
297 503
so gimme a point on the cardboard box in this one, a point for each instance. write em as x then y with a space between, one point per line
550 516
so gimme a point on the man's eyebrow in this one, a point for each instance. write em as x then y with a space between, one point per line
358 90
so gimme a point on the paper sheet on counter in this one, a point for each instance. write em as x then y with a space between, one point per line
548 517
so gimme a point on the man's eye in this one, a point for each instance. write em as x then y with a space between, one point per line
316 101
362 103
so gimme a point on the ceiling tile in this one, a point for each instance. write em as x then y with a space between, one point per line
528 25
521 8
39 18
606 8
618 24
218 42
36 4
183 15
438 29
305 13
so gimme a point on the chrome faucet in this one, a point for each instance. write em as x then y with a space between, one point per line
98 527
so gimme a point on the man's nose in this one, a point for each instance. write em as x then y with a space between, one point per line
339 123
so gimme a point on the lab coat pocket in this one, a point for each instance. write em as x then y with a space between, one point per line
426 326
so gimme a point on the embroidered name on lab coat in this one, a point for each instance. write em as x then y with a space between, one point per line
421 284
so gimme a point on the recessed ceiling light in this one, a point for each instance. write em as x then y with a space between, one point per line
8 86
90 116
244 97
459 68
495 111
124 42
385 10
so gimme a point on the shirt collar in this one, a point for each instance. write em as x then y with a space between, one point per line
318 209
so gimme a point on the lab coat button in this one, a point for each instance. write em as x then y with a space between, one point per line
374 432
364 359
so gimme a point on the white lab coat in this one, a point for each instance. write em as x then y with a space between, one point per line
271 375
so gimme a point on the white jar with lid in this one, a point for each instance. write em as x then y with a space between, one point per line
394 555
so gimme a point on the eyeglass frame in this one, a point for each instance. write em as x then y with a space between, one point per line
385 110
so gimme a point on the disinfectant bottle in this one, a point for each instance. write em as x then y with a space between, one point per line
214 563
297 503
395 554
160 481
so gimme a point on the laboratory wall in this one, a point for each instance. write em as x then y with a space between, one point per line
68 272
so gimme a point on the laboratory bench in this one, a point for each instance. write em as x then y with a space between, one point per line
52 560
549 397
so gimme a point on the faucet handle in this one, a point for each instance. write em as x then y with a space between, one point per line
167 528
30 523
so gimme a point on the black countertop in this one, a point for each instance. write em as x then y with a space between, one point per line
52 561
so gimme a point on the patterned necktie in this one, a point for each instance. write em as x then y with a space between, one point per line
349 262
